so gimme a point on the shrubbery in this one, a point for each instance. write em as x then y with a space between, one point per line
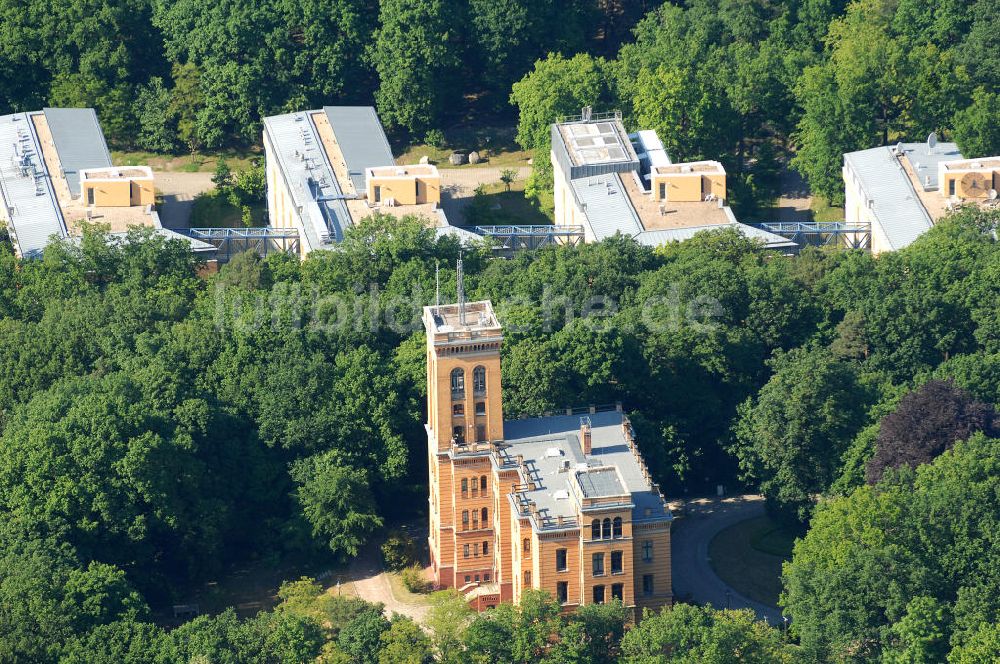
398 551
415 579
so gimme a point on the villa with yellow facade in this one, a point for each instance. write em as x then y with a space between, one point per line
563 504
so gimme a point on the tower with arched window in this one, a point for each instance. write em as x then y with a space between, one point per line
562 503
464 415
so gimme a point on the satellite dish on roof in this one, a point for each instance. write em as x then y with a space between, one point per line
932 140
993 194
899 148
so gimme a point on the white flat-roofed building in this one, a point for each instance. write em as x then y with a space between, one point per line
901 191
608 181
327 169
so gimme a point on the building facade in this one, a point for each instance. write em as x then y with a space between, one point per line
563 504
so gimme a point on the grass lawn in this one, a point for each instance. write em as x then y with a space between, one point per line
748 557
511 207
189 163
823 211
211 211
439 156
400 592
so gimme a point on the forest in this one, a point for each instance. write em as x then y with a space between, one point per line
756 84
160 425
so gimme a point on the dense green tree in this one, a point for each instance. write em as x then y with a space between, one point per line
336 501
791 436
46 597
296 55
361 638
415 55
404 643
975 135
854 585
689 634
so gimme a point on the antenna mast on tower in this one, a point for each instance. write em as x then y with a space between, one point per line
461 292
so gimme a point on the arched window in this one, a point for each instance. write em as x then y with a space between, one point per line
482 483
465 487
458 433
479 380
606 529
527 545
485 516
457 382
595 529
486 548
617 526
458 409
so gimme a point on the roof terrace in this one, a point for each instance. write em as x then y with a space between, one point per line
661 215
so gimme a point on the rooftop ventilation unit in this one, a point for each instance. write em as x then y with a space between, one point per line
553 452
561 494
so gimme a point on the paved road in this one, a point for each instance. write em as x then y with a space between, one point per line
692 571
178 190
795 202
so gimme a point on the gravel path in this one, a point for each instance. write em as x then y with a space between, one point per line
371 583
693 575
178 190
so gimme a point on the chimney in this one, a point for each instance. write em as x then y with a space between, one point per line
586 440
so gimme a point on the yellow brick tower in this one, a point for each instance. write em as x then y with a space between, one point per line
562 503
465 413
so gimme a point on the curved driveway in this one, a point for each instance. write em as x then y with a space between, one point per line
693 575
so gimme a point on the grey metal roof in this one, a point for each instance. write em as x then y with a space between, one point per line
599 482
894 201
535 437
79 142
924 161
303 164
606 206
465 236
666 236
26 189
361 139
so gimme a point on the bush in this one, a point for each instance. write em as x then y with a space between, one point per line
398 551
435 138
414 579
